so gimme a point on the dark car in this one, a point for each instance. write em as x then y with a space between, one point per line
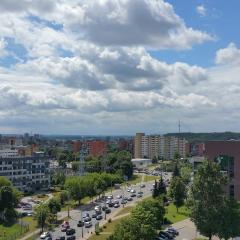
87 219
80 224
167 235
70 231
48 238
61 238
111 204
133 195
124 201
99 217
173 230
129 199
104 208
163 236
108 210
85 215
71 238
94 215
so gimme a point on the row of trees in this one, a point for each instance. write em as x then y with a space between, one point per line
9 198
90 185
143 222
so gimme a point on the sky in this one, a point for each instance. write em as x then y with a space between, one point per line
106 67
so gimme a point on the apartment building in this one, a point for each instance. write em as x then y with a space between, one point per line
150 146
227 155
27 173
8 152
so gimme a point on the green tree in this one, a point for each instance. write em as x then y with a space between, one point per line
229 219
41 214
206 198
177 191
155 192
4 182
176 172
75 166
161 187
54 205
186 173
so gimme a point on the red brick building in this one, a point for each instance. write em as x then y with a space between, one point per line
227 154
97 148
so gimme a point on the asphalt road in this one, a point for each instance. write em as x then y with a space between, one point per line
89 208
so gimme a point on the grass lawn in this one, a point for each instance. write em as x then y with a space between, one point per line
173 216
14 231
124 210
148 178
107 230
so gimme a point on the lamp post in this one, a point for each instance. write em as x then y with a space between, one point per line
82 221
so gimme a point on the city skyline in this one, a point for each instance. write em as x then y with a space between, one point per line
119 66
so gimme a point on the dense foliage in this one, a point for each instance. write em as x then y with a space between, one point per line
143 223
9 198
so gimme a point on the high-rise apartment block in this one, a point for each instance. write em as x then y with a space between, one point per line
150 146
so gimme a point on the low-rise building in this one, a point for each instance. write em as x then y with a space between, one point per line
27 173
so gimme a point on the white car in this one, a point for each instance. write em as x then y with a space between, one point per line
88 224
133 191
44 235
119 196
110 197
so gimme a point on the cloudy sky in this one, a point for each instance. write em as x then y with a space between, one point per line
119 66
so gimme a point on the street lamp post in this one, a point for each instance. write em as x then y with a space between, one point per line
82 221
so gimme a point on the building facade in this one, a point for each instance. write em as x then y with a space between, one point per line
151 146
27 173
227 155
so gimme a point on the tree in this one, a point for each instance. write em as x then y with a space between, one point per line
54 205
186 173
206 198
143 223
155 190
229 219
75 166
41 215
176 172
5 182
177 191
161 187
74 186
154 160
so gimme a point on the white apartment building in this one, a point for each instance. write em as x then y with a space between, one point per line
150 146
27 173
5 153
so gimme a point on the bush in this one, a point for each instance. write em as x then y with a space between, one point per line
109 220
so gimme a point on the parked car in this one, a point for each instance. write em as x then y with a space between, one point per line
133 195
133 191
71 238
142 185
87 219
116 205
139 195
110 197
111 204
60 238
116 202
80 223
167 235
70 231
94 215
85 215
119 196
104 208
173 230
108 210
44 235
129 199
88 224
98 208
99 217
124 201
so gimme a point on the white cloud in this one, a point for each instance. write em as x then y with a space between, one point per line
228 55
201 10
3 45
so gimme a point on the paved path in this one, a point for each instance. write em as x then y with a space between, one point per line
188 231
